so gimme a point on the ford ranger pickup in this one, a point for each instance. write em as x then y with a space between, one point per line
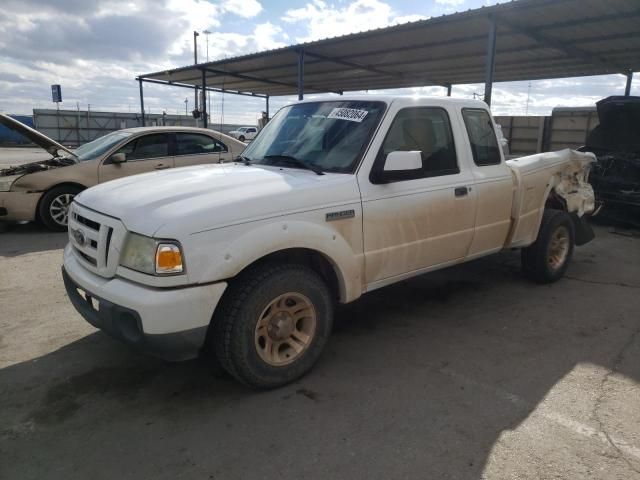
334 198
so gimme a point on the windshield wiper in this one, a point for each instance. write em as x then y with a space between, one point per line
240 158
297 162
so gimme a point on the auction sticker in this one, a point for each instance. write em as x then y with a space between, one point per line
351 114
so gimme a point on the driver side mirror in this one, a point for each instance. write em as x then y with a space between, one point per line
119 158
402 161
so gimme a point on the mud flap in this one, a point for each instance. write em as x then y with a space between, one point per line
582 229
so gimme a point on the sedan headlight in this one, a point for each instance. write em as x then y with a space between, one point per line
148 255
5 184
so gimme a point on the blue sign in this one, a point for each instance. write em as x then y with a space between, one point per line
56 93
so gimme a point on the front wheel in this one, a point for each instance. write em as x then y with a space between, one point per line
273 324
54 207
241 138
547 259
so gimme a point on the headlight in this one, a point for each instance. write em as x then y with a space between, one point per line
148 255
5 185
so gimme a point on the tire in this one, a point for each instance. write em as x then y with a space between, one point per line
266 312
547 259
54 206
241 138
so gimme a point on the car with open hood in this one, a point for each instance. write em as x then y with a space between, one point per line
616 143
43 190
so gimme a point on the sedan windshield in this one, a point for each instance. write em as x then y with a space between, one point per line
328 136
97 147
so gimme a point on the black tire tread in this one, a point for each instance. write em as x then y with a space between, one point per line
534 257
47 198
223 339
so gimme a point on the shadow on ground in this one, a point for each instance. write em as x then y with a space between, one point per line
19 239
419 381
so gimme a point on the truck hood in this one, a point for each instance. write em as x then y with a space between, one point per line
175 202
51 146
619 128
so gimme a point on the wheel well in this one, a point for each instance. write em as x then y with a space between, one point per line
63 184
556 202
304 256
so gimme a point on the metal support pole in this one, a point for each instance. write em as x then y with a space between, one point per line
204 99
300 74
449 90
627 88
195 61
490 64
141 102
267 108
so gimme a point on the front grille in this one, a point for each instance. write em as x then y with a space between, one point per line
92 236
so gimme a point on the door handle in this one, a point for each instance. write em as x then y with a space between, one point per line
161 166
461 191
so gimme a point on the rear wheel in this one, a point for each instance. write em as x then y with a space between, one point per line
54 207
273 324
547 259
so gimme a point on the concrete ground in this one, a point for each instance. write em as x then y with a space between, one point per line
19 155
472 372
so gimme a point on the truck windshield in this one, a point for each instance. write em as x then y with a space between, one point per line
330 136
97 147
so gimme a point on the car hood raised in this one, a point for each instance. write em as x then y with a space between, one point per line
619 128
48 144
188 200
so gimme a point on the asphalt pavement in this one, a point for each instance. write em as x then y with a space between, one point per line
472 372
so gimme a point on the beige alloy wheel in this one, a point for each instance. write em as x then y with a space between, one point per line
558 247
285 329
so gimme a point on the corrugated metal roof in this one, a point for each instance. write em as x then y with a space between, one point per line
536 39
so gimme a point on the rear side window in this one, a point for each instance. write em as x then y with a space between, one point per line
423 129
482 138
195 143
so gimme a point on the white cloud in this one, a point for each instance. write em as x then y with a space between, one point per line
242 8
452 3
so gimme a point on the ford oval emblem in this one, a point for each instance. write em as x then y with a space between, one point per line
80 237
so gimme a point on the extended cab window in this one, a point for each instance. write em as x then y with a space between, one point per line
196 143
482 138
148 146
423 129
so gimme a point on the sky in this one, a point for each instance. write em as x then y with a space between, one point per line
95 49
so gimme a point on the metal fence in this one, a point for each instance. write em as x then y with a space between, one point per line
565 128
76 127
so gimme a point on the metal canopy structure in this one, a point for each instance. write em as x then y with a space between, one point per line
518 40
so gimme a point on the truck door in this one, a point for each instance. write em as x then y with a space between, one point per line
493 180
418 218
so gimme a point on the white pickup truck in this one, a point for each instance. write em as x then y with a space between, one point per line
334 198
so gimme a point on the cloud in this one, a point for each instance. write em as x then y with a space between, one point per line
451 3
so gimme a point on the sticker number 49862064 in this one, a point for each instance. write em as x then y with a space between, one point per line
351 114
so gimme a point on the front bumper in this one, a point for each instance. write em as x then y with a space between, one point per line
170 323
18 206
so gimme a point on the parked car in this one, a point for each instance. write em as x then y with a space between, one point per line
43 190
244 133
335 198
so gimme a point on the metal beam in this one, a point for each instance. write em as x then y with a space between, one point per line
627 88
490 61
569 49
141 101
449 90
204 99
267 107
301 74
210 89
361 66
